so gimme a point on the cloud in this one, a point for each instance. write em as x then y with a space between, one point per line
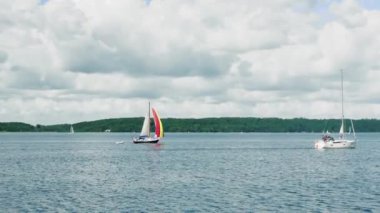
83 59
22 78
350 13
3 56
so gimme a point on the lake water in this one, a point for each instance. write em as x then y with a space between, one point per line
207 172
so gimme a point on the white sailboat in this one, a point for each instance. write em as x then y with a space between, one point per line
71 129
328 142
145 135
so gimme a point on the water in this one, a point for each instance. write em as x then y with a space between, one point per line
189 172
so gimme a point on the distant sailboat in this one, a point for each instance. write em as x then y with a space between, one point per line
145 131
328 142
71 129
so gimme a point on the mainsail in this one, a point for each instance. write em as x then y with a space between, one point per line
341 131
145 130
146 126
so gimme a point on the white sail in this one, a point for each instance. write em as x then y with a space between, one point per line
146 126
341 131
353 129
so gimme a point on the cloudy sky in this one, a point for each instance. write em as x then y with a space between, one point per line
64 61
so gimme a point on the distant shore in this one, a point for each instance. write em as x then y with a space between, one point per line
224 124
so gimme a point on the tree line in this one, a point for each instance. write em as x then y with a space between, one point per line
226 124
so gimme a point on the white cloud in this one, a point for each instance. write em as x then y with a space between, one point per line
350 13
73 60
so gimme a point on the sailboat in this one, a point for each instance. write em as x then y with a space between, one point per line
71 129
145 135
328 142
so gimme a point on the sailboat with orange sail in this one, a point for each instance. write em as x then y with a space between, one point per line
145 135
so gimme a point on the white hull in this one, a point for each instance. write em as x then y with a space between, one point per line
145 140
335 144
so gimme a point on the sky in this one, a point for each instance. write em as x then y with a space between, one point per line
65 61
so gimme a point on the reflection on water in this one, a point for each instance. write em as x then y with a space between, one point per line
187 172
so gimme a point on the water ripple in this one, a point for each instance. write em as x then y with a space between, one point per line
187 173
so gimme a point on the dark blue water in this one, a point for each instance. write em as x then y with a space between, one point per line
188 172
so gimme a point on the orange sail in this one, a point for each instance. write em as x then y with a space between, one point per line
158 124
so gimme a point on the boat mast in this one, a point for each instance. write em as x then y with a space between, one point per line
341 78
